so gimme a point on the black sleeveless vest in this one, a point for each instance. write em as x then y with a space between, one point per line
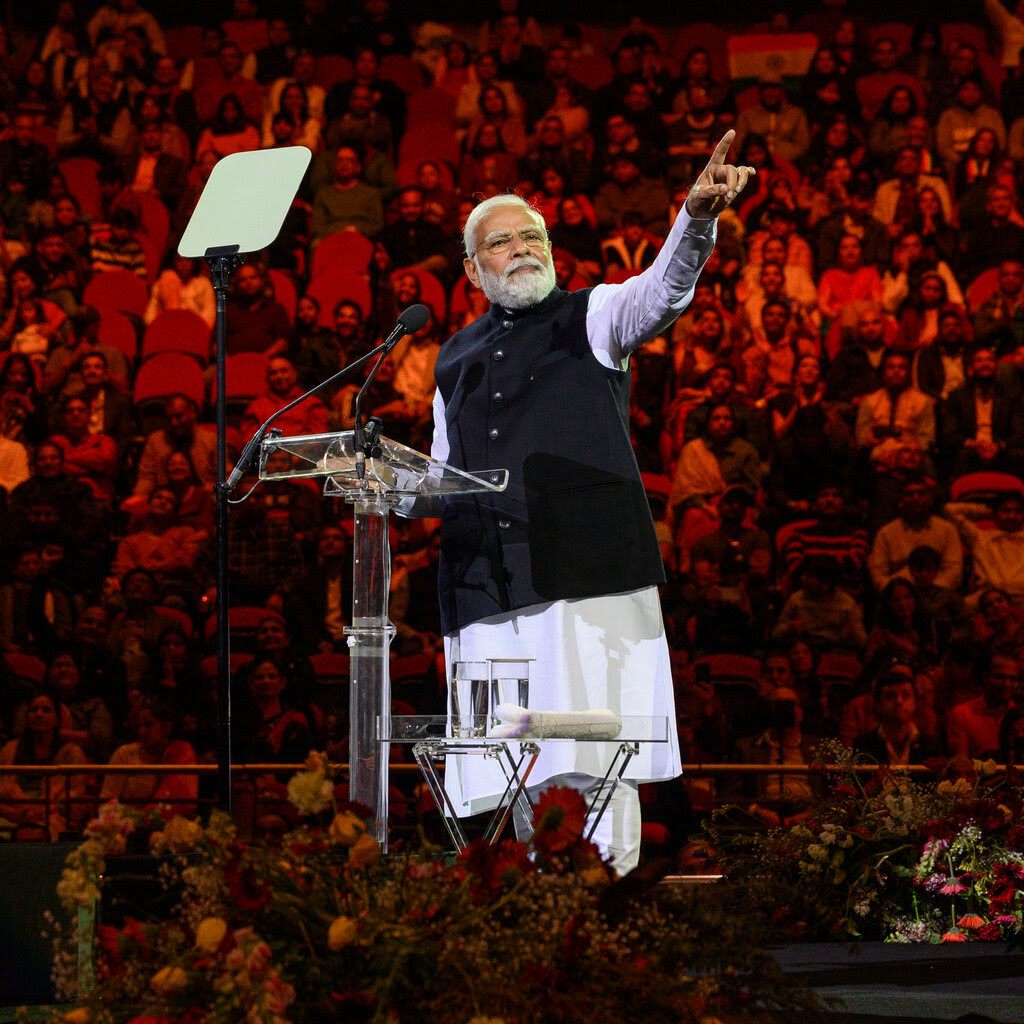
524 392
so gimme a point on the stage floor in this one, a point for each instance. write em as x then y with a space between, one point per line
912 984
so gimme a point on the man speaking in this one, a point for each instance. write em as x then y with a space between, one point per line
563 566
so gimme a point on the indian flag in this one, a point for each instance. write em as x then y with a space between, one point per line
788 56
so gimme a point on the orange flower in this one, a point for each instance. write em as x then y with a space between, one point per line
954 936
558 819
972 922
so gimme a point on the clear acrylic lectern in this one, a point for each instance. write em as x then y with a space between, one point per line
394 475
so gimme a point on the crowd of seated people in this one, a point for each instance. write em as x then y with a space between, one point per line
832 435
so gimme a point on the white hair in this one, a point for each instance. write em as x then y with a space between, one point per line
481 211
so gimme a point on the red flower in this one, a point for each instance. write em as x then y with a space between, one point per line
1007 881
990 932
574 942
306 848
358 809
355 1007
653 832
111 961
510 861
540 978
558 819
495 867
939 829
243 887
984 813
476 858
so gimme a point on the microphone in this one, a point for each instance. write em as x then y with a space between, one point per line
411 320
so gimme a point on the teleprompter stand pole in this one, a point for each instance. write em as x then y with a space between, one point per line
223 259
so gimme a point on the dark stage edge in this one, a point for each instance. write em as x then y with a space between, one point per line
886 983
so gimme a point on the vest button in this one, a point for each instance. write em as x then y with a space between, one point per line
507 324
498 355
497 397
493 433
504 524
495 477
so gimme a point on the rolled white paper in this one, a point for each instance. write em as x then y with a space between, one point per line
515 721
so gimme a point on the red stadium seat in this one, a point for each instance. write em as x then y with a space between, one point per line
119 290
983 286
900 32
731 669
178 330
335 284
209 666
243 621
984 486
166 374
25 666
331 68
117 331
402 70
839 668
431 105
179 617
245 377
80 175
331 669
349 250
425 142
592 70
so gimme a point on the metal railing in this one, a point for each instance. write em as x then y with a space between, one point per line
259 799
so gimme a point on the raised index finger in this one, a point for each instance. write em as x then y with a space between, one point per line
722 149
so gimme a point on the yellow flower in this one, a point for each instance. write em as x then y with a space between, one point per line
595 876
79 1015
341 933
1005 812
179 835
168 980
961 787
365 851
988 767
347 828
210 934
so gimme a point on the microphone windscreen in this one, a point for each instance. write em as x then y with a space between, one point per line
414 318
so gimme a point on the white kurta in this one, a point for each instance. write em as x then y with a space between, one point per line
590 653
600 652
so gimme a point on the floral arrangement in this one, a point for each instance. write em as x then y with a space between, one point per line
318 926
887 857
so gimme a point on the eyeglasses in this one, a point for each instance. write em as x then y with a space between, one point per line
533 238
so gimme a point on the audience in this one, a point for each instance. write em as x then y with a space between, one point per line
861 321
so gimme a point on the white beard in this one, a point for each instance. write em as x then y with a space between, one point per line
518 291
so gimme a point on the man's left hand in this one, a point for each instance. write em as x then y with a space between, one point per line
718 184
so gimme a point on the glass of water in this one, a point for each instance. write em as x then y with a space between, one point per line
510 683
470 698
